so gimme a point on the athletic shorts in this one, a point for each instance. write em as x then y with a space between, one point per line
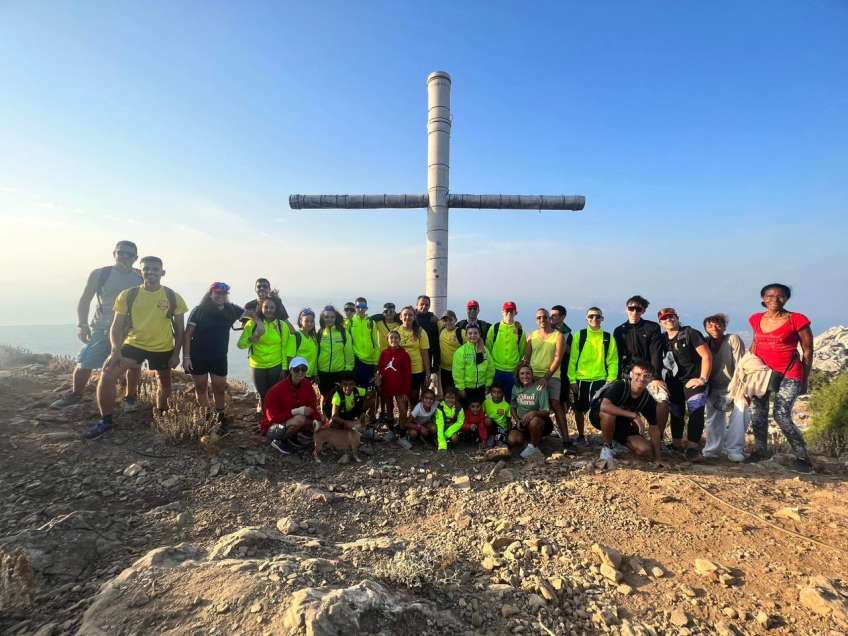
554 388
547 430
212 367
624 427
94 354
327 380
583 392
156 360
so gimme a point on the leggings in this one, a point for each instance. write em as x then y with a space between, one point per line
264 379
784 399
682 400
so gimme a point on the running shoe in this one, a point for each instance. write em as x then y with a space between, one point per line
129 405
403 442
98 430
281 447
529 451
69 399
618 449
693 454
581 442
607 454
736 457
757 456
803 466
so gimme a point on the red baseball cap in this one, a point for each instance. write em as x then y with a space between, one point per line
510 306
472 303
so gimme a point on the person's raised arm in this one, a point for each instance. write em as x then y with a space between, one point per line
84 305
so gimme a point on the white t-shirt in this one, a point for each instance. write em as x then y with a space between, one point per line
421 415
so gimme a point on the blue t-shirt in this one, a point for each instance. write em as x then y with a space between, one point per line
211 337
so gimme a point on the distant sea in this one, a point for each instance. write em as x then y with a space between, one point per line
62 340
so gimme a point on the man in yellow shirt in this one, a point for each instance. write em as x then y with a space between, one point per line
148 325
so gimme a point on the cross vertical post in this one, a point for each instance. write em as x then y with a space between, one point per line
438 185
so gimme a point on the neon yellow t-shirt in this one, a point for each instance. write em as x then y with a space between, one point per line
348 399
415 348
448 344
498 412
151 328
544 352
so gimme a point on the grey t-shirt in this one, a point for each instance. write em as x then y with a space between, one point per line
116 282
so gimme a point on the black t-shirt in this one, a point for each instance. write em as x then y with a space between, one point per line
619 394
211 337
683 350
251 305
427 321
642 341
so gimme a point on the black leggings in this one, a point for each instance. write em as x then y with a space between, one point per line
264 379
682 400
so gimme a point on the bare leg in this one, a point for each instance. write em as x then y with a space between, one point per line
201 390
219 391
640 447
536 428
607 427
562 423
580 419
79 379
133 378
164 376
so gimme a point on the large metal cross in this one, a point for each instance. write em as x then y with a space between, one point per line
438 199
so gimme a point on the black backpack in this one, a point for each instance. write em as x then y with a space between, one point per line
358 400
132 294
584 334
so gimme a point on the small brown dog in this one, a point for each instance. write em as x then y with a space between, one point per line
341 439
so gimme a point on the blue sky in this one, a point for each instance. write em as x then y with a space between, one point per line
709 139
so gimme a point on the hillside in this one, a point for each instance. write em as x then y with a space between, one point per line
131 534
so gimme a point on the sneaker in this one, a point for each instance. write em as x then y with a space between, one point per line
391 436
222 429
581 442
404 443
281 447
619 449
803 466
736 457
757 456
69 399
607 454
693 454
98 430
529 451
129 405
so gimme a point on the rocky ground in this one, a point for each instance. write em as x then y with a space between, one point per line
131 534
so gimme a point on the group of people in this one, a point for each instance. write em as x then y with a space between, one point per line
443 381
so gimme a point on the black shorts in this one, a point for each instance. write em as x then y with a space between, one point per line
624 427
327 381
156 360
446 376
547 430
212 367
583 392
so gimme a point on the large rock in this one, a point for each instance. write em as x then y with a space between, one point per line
367 606
831 350
823 597
252 541
17 582
69 545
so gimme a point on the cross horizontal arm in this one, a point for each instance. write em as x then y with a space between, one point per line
478 201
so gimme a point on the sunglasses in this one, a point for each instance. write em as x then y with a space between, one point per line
668 316
637 309
541 317
299 369
595 317
362 306
126 254
349 309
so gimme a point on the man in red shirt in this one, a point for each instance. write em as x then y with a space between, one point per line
290 406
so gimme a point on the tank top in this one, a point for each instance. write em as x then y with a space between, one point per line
117 282
544 352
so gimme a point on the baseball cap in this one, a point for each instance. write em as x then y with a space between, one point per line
666 312
450 313
472 303
298 361
510 306
219 286
388 306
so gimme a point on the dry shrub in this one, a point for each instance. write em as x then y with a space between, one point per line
20 356
63 364
417 568
183 421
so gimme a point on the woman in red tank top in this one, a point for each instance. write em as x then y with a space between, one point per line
777 334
